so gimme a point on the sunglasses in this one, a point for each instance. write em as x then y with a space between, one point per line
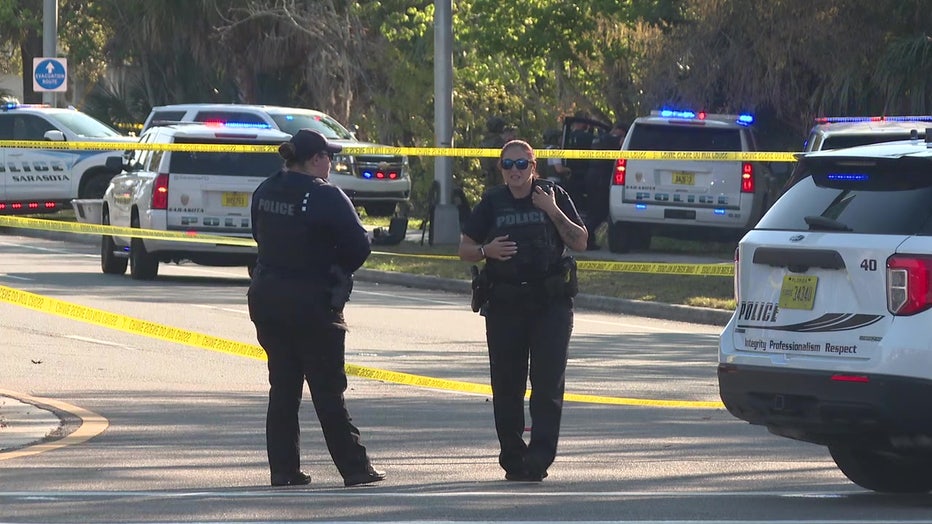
327 154
520 164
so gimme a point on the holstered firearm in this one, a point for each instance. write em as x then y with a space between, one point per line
480 288
341 285
564 283
570 278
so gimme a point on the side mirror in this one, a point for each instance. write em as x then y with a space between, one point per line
54 135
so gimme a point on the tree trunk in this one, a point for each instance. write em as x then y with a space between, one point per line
29 48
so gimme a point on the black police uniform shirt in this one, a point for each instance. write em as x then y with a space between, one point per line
540 247
303 226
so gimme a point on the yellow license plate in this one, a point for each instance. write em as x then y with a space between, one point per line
235 199
798 292
684 178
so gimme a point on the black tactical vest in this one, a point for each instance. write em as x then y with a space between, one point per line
281 226
539 244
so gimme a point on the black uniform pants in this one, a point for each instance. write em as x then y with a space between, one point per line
313 352
520 333
597 196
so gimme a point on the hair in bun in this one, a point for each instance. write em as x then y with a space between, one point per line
287 151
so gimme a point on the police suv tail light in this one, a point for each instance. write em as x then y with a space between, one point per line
621 167
747 177
909 284
160 192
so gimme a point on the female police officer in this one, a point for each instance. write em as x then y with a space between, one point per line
521 229
310 242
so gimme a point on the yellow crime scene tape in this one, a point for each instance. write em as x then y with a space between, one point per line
459 152
190 338
657 268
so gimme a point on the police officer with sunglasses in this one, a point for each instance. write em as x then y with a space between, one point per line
521 229
310 242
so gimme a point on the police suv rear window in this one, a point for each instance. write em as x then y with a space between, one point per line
225 163
885 197
686 137
841 141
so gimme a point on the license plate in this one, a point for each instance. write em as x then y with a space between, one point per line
235 199
684 178
798 292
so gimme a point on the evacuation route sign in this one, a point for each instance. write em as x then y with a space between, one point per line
50 74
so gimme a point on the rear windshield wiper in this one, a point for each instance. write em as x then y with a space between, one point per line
828 224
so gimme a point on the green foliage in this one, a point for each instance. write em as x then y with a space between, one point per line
370 63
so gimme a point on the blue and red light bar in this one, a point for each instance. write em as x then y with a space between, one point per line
744 119
853 119
237 125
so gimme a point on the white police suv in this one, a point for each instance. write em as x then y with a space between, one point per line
695 199
847 131
45 180
377 182
207 192
831 340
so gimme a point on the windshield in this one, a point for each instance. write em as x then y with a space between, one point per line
652 137
330 128
85 126
229 163
841 141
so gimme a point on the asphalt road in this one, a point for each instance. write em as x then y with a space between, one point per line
180 429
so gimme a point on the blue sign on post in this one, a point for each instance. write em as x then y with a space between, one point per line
50 74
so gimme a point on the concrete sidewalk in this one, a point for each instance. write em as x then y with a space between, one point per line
22 424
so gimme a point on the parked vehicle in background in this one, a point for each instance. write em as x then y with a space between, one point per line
694 199
831 340
840 132
191 192
45 180
376 182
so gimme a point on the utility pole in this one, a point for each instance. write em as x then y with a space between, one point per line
446 216
49 41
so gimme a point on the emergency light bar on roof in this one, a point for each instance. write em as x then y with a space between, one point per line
238 125
744 119
16 105
852 119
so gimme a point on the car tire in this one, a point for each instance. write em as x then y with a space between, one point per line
620 237
96 185
885 471
110 264
142 265
380 209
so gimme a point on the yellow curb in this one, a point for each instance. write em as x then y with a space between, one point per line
92 425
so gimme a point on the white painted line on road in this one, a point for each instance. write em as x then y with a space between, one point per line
215 308
375 492
98 342
412 298
704 521
4 275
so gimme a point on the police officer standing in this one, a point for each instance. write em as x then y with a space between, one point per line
521 229
310 243
599 180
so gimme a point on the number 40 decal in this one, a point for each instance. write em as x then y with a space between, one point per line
869 264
